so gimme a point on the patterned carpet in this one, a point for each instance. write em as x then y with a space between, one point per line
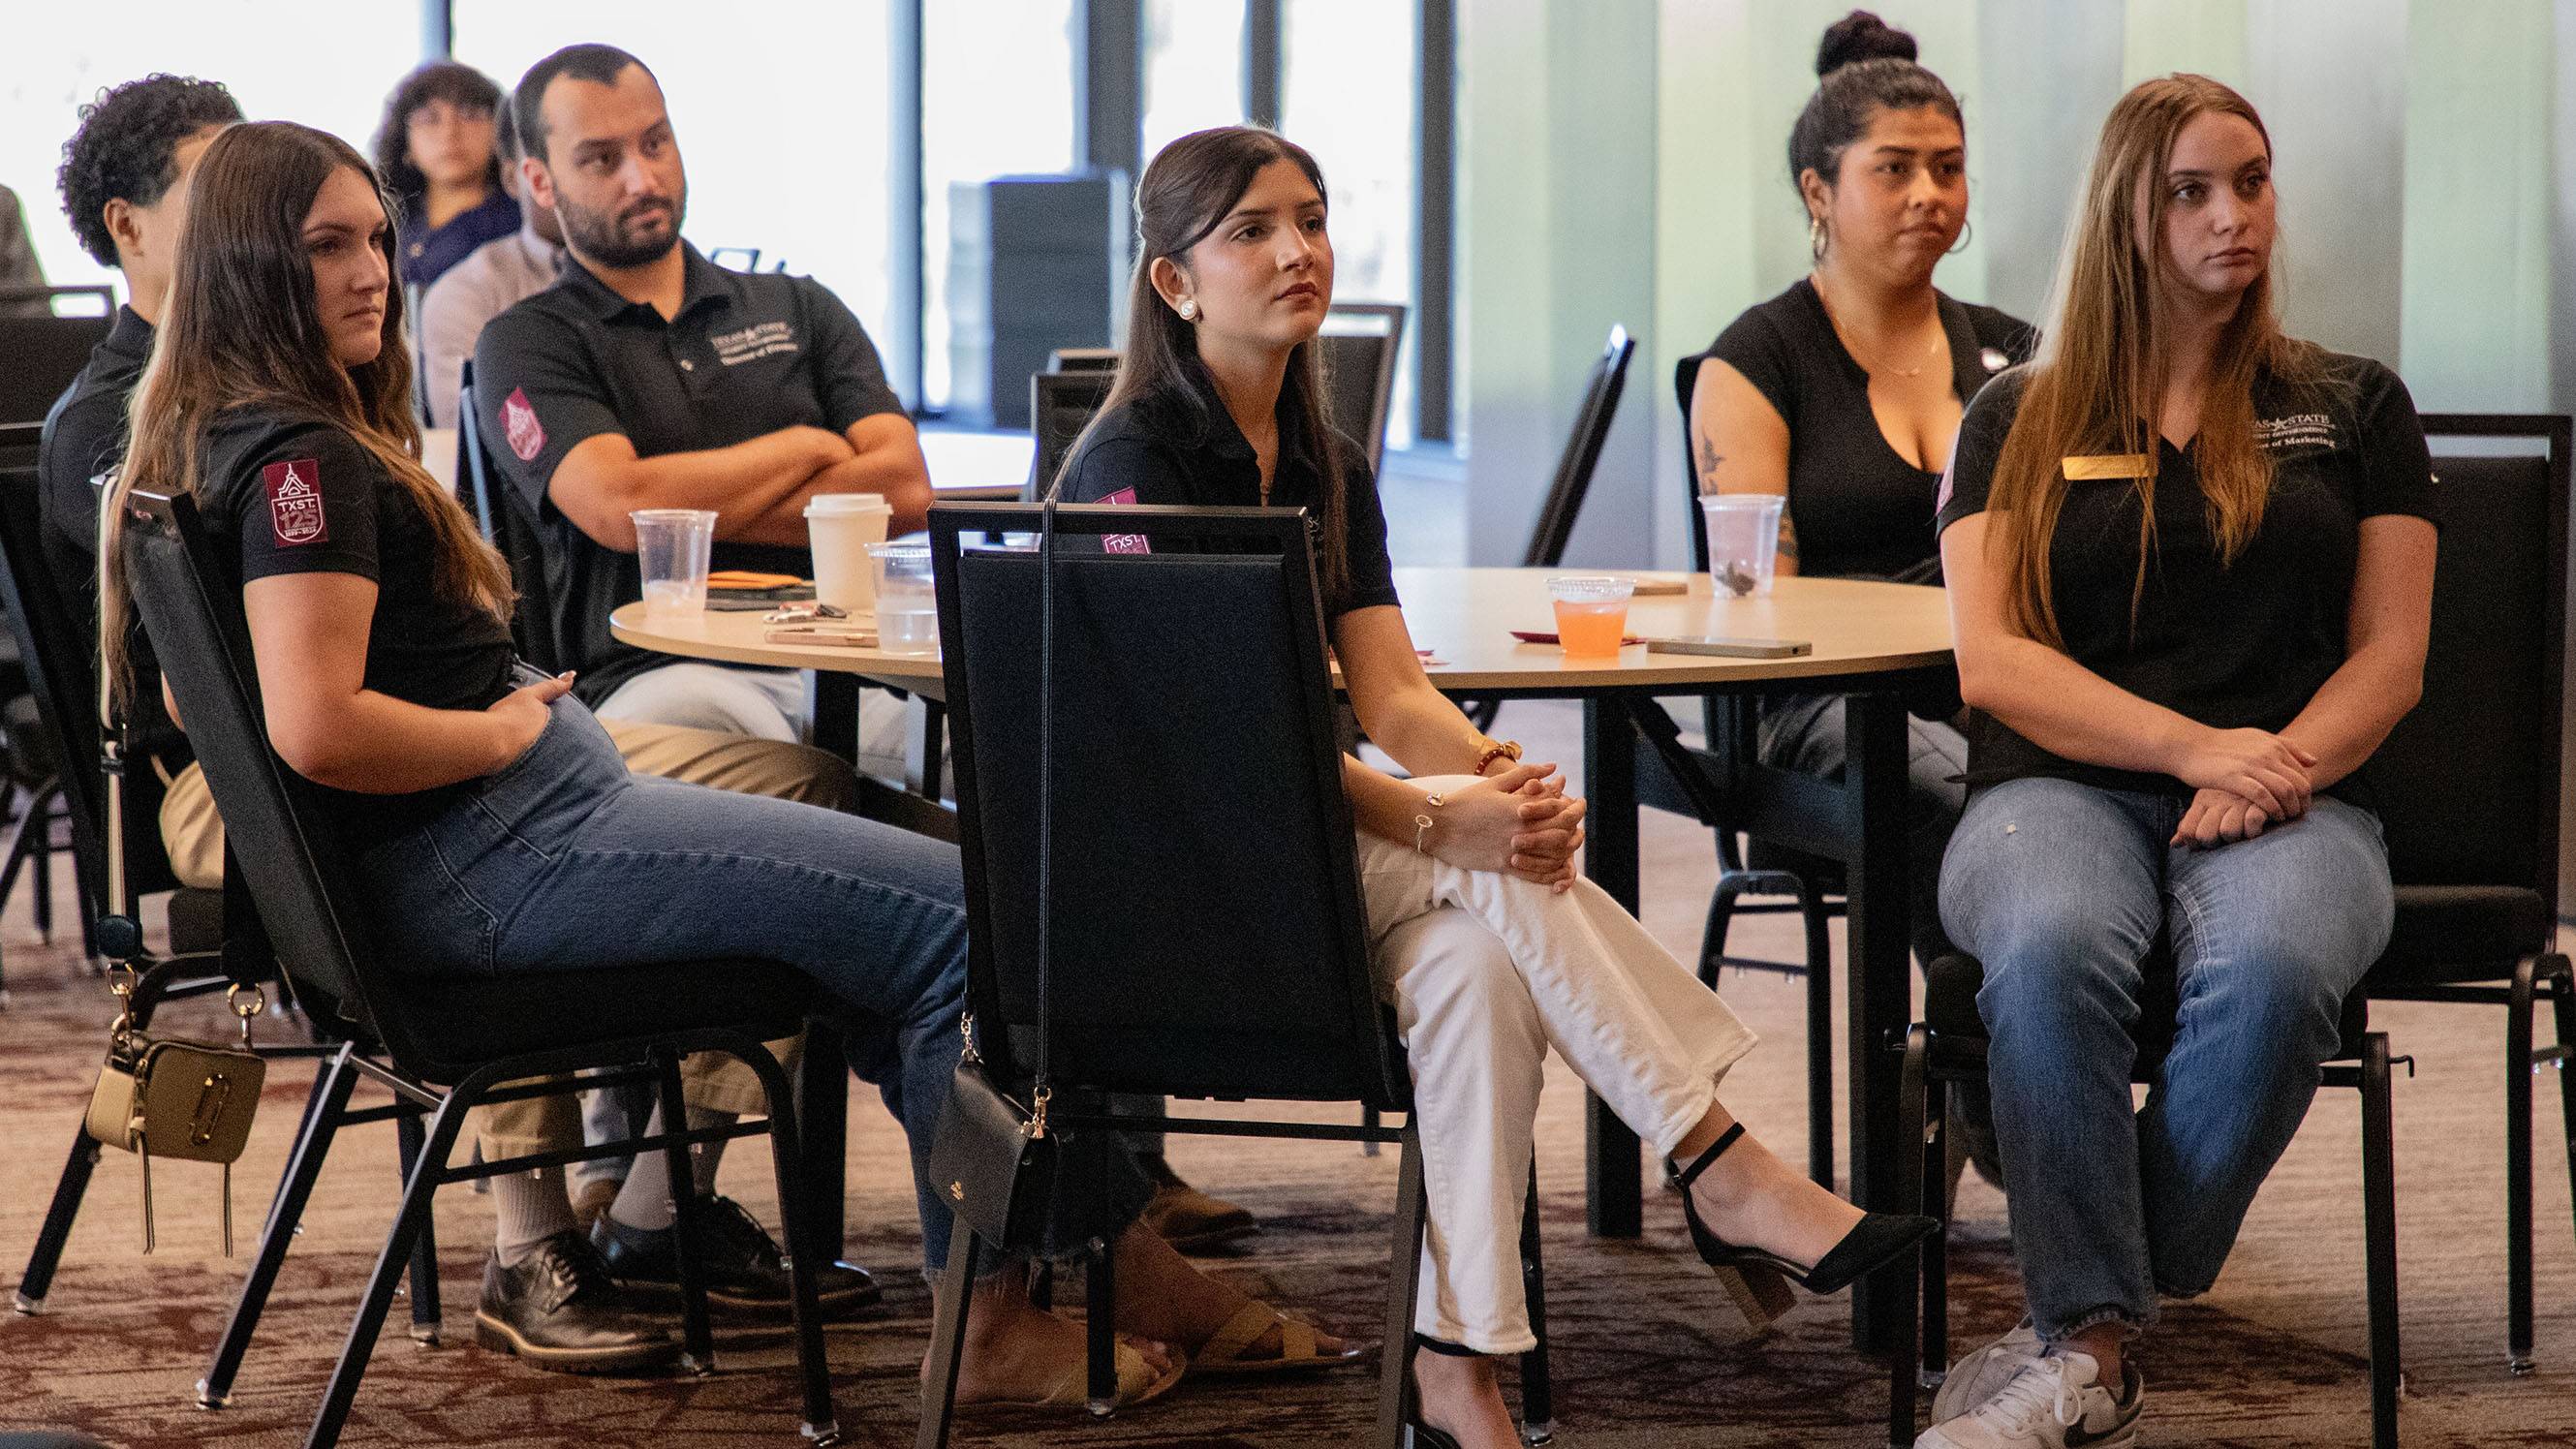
1648 1352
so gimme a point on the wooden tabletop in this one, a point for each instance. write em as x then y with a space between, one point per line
1464 617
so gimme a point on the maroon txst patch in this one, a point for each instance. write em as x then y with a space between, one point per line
519 422
295 501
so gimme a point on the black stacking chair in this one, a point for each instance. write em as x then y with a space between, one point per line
1565 493
443 1044
1083 359
1061 405
115 838
2468 790
1180 968
2477 855
41 354
1360 342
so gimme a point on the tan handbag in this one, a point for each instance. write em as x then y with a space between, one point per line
182 1099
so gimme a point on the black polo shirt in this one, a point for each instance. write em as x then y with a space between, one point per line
84 441
1186 450
745 357
2241 644
287 492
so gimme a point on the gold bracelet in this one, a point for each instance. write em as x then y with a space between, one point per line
1498 750
1422 824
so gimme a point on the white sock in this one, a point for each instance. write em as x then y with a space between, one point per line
645 1203
528 1208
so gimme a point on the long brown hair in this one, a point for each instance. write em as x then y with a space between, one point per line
243 329
1192 185
2099 380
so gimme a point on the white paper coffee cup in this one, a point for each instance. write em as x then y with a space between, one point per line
839 527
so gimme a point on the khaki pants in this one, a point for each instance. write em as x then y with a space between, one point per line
194 837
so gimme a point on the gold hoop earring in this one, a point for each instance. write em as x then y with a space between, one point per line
1189 309
1967 230
1815 238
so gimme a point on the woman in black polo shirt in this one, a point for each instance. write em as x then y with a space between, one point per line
1489 945
1844 392
484 811
2191 572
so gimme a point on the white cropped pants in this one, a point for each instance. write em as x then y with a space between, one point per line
1486 972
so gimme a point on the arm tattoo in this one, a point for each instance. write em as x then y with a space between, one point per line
1788 537
1709 459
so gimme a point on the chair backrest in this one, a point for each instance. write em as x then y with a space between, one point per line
1685 378
496 506
57 637
1061 405
1360 341
1592 420
2468 783
1209 939
1083 359
287 853
39 357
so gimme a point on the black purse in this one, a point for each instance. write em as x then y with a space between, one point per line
1011 1178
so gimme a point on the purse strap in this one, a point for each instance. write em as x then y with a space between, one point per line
1040 1090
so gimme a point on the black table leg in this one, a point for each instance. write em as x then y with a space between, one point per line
1882 998
1613 1199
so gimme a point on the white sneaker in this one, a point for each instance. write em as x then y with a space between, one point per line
2053 1403
1982 1374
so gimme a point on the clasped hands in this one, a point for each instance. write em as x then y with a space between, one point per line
1517 821
2244 779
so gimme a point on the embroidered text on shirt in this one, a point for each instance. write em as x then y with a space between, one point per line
2298 430
764 339
295 502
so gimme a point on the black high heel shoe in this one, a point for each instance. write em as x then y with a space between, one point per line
1417 1434
1754 1274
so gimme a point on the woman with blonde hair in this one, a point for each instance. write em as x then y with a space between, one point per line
2190 563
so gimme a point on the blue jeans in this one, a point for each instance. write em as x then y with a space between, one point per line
563 858
2062 890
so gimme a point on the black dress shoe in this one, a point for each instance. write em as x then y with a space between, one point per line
559 1311
739 1262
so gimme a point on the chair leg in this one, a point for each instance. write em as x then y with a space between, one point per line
1369 1118
1935 1189
331 1088
2517 1169
812 1236
2379 1213
1721 921
1902 1385
698 1344
1820 1035
2563 1000
948 1340
1404 1280
390 1264
1100 1330
69 1189
1538 1382
42 861
424 1253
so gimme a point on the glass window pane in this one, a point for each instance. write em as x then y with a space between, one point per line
1193 68
794 165
996 100
1346 94
58 57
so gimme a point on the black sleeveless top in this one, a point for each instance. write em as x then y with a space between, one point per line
1860 509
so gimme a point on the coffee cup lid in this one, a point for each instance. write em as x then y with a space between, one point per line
847 503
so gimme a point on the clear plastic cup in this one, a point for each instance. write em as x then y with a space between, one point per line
1743 541
671 548
838 529
1591 613
907 607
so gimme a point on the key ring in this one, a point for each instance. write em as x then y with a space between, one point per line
804 613
258 1004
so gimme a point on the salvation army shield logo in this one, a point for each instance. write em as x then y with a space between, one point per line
526 436
295 502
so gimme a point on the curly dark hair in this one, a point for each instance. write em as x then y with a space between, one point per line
451 81
123 149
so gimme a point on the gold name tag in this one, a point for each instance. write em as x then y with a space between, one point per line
2109 465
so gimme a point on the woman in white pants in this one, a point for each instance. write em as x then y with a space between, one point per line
1491 947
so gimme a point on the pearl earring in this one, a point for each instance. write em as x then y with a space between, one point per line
1189 309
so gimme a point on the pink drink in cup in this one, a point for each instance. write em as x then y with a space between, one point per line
1591 614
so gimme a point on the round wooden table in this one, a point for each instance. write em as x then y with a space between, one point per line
1871 642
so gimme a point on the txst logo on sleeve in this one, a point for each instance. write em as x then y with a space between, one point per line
527 436
1124 542
295 502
